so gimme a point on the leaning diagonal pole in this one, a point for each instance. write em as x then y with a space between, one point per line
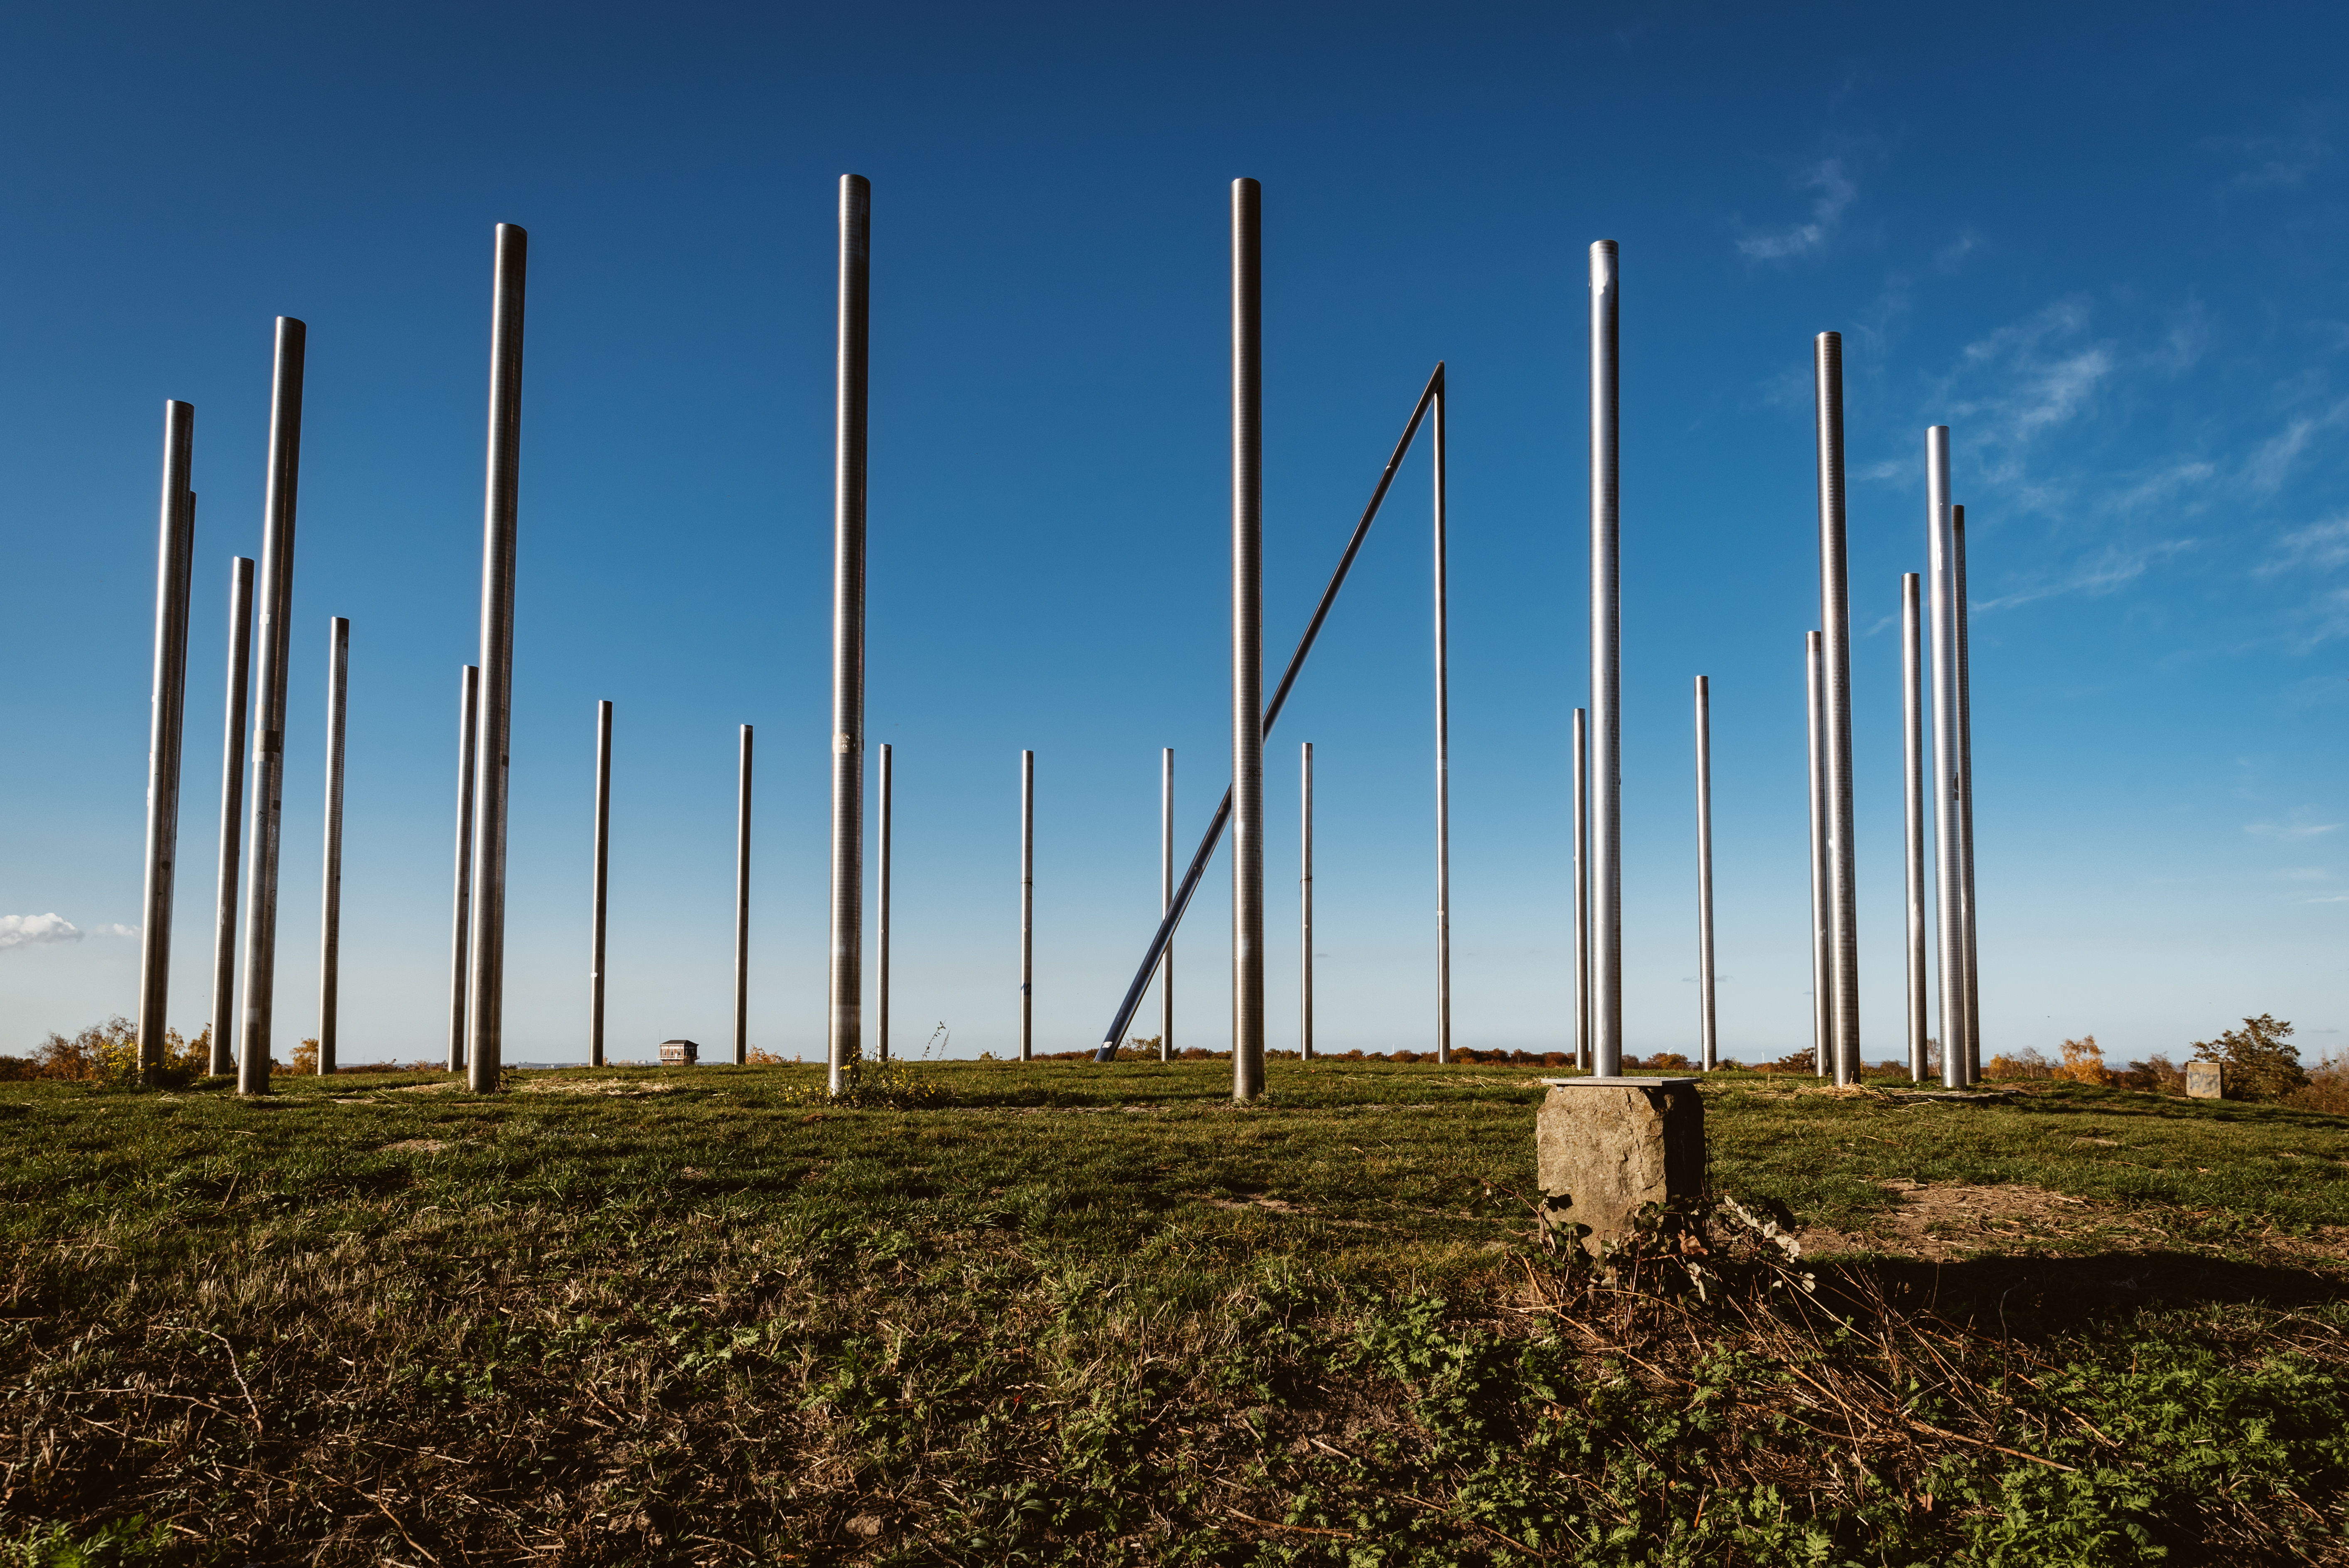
274 600
330 898
1172 917
231 821
845 1029
1605 666
166 723
486 972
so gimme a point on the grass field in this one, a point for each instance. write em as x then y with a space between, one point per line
1082 1313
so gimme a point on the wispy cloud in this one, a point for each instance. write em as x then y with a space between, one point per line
1835 194
2320 547
36 930
2290 832
2100 572
2271 461
2328 898
2274 162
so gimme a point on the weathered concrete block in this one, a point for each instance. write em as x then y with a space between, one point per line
2206 1081
1606 1147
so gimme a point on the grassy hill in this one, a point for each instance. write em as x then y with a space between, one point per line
1082 1313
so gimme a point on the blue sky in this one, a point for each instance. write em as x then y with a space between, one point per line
2109 257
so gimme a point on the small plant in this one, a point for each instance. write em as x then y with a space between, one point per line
891 1086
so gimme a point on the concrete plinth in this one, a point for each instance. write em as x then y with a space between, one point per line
2206 1081
1607 1147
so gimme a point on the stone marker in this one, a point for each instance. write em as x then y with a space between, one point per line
1606 1147
2206 1081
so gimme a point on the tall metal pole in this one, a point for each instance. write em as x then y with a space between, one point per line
1582 888
881 925
1442 759
469 719
330 902
846 1027
1972 973
1247 640
1912 797
275 600
1707 1035
166 721
1835 633
1948 775
600 880
742 906
1605 668
1166 901
486 987
1027 905
1305 904
1822 987
240 681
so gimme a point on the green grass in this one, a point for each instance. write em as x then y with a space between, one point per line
1090 1313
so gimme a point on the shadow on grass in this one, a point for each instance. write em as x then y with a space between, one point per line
2034 1297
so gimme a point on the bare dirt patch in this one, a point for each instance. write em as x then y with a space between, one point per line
415 1146
1956 1220
442 1087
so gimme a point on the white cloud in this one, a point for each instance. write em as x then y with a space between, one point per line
34 930
31 930
1836 193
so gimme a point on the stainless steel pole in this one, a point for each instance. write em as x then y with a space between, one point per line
846 1025
881 924
1166 901
231 856
1822 987
330 902
1442 759
1948 850
1027 905
1247 640
486 987
1962 614
469 719
1912 765
1835 634
1606 667
1582 888
600 881
1305 904
275 600
742 906
167 717
1707 1035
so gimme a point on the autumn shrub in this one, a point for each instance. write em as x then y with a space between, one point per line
2084 1062
108 1053
2261 1061
2025 1063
